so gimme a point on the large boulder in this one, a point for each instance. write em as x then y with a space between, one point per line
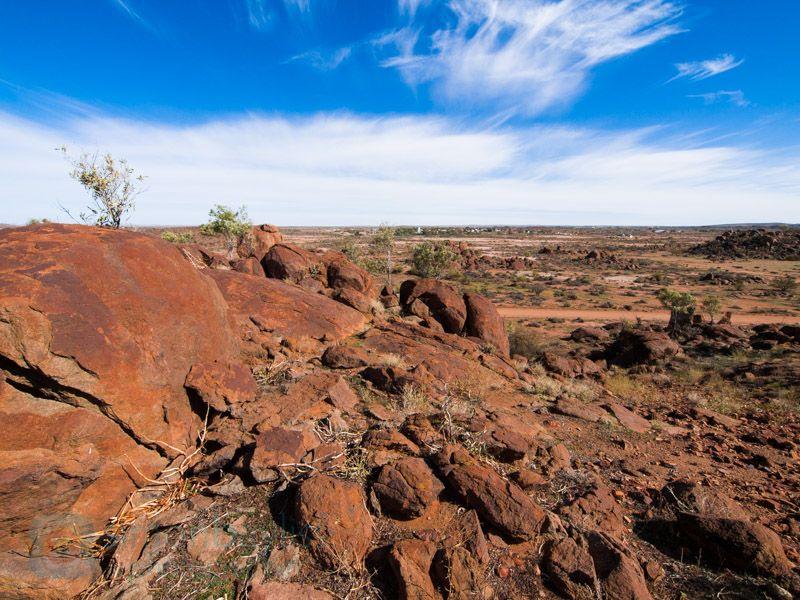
292 263
432 298
342 273
484 322
569 569
406 488
735 544
616 567
411 561
93 330
641 347
264 237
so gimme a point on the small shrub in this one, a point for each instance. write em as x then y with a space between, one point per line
393 360
352 251
431 259
183 237
784 286
626 387
412 399
712 305
233 225
525 342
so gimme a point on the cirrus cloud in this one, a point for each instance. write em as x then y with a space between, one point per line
703 69
526 55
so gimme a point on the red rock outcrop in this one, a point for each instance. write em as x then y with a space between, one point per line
94 326
264 237
277 308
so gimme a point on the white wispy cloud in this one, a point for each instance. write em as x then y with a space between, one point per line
350 169
735 97
261 13
301 5
410 7
125 7
703 69
324 61
531 55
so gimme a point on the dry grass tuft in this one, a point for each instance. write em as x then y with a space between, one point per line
626 387
271 374
412 399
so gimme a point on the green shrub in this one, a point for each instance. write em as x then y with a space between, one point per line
184 237
431 259
233 225
785 285
712 305
681 307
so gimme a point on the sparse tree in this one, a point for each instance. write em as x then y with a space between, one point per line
233 225
382 246
712 305
681 306
432 258
112 184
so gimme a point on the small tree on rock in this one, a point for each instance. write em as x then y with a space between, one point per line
382 247
112 184
681 306
233 225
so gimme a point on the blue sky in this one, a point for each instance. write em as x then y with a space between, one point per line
330 112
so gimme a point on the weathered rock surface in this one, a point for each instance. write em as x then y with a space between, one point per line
430 297
342 274
407 488
272 307
411 562
619 572
735 544
219 385
264 237
333 513
484 322
570 569
278 449
93 330
292 263
641 347
501 503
